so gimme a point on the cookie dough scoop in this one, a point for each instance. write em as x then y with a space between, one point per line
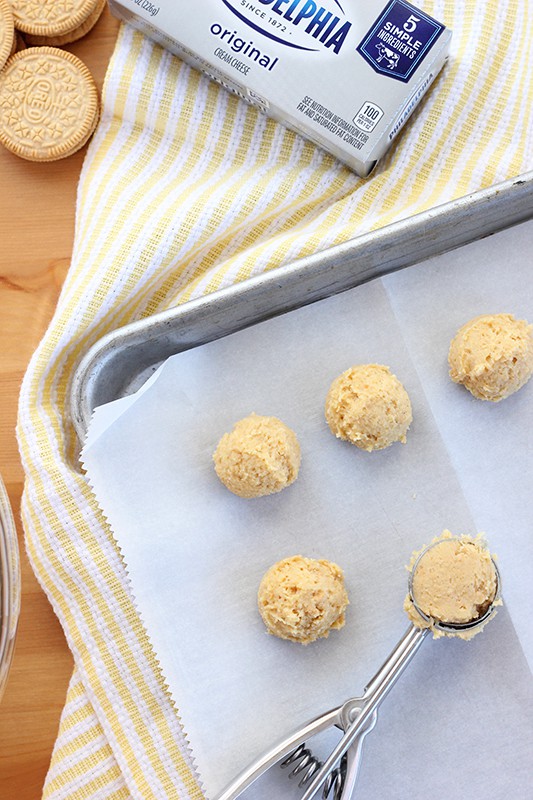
335 778
454 586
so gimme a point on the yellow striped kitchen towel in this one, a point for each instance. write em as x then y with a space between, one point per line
186 189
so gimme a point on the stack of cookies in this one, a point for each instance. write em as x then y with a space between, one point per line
49 104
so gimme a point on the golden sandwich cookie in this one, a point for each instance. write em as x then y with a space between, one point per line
49 104
7 32
47 22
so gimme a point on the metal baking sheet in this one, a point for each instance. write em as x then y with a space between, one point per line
121 361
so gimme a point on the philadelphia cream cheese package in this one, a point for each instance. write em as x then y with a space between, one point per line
346 74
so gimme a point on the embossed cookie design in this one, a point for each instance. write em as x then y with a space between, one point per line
47 22
48 104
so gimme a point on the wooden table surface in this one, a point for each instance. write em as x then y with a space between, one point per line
37 205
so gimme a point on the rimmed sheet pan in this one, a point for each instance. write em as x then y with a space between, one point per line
121 361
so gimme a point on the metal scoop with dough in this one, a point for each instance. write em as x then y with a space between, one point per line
336 776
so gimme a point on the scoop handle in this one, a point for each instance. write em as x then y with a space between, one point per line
276 753
391 669
354 756
356 713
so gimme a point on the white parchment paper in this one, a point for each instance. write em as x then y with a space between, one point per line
458 723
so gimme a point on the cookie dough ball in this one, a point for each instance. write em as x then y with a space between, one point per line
368 406
492 356
302 599
260 456
453 582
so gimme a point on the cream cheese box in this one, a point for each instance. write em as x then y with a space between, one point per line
345 74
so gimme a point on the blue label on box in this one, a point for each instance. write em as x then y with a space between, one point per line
399 40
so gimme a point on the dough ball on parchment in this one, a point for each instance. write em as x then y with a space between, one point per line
369 407
302 599
492 356
260 456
